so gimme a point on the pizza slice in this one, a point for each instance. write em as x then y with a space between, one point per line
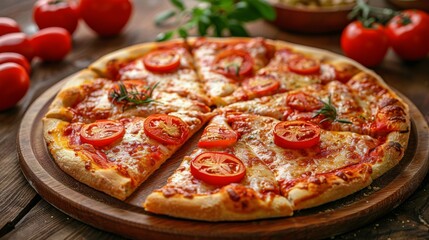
243 157
223 64
87 98
168 65
289 70
115 156
222 180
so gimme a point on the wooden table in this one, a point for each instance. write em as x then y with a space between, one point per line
25 215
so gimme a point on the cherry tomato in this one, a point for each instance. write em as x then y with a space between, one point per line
18 43
233 63
304 65
217 136
303 102
56 13
102 132
51 44
15 82
16 58
367 45
8 25
106 17
408 34
262 85
162 61
218 168
166 129
296 134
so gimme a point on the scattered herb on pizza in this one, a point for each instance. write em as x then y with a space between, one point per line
131 95
330 112
213 17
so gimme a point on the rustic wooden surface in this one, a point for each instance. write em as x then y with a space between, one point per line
24 215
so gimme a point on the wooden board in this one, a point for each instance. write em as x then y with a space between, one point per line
130 220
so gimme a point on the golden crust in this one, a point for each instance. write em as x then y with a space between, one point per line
218 206
70 94
105 180
323 188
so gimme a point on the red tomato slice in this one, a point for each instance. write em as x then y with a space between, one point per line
102 133
217 136
233 63
166 129
262 85
303 102
296 134
217 168
304 65
162 61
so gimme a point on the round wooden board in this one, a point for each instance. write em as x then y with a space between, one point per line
130 220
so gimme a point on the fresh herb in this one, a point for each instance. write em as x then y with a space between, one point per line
233 66
133 96
213 17
368 14
329 112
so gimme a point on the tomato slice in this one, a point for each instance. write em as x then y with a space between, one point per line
262 85
234 63
217 136
217 168
304 65
303 102
102 132
296 134
166 129
162 61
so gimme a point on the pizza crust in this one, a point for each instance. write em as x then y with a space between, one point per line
70 94
218 206
105 180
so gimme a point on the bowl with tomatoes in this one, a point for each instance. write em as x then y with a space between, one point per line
312 16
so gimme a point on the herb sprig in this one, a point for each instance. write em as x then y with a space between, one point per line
133 96
329 111
213 17
368 14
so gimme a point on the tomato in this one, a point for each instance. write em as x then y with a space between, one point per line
16 58
18 43
262 85
303 102
51 44
233 63
217 136
367 45
15 82
8 25
166 129
102 132
218 168
408 34
56 13
296 134
304 65
162 61
106 17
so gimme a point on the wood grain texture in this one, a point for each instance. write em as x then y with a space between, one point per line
129 219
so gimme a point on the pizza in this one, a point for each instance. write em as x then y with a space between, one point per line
279 127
